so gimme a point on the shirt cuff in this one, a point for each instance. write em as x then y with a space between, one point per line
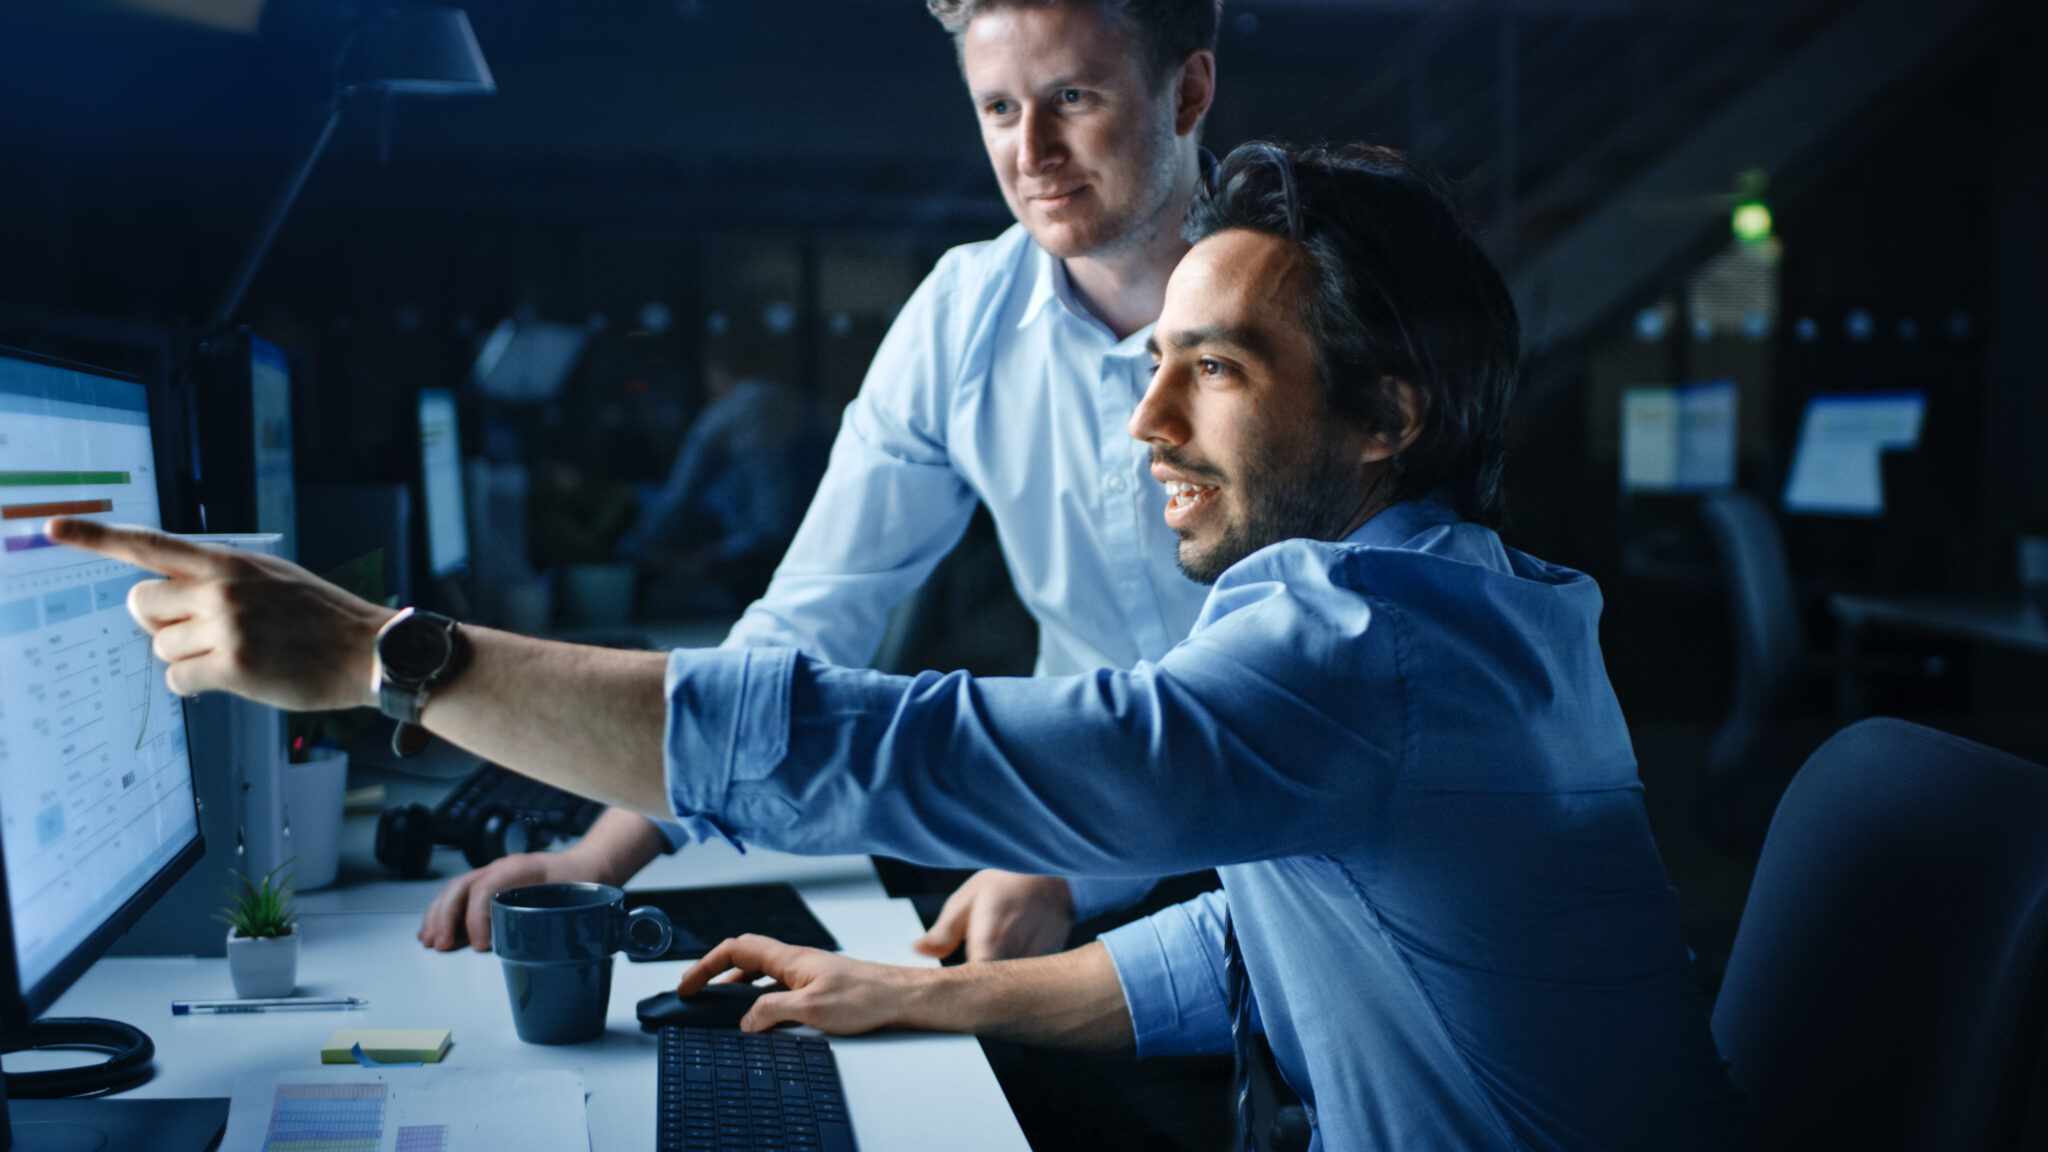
728 721
672 832
1172 976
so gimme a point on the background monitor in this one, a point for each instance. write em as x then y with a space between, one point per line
97 812
245 439
1678 439
447 526
528 362
1836 468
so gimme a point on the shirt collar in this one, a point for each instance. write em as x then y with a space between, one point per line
1403 522
1048 286
1052 288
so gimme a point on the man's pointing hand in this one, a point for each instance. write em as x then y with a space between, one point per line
241 622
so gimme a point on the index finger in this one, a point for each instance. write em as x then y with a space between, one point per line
746 953
142 547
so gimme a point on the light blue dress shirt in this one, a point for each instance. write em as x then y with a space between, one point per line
1402 754
993 383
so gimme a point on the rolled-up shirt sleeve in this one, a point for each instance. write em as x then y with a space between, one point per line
728 717
1191 763
1171 967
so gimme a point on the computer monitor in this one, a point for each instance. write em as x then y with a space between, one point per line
1836 468
528 362
446 521
1678 439
97 806
245 439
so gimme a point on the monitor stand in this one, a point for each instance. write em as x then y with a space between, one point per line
157 1125
88 1125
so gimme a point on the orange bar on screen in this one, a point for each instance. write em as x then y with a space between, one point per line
56 508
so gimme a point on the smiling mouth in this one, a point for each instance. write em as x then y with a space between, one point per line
1057 199
1181 494
1187 502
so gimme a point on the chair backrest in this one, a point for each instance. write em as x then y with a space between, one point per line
1769 642
1885 990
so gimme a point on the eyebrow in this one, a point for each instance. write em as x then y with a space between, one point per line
1248 340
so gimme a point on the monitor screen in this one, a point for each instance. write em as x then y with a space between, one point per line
530 361
270 405
96 798
1680 439
441 483
1835 466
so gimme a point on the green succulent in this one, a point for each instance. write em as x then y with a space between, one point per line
261 908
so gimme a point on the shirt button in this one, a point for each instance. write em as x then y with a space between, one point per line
1116 483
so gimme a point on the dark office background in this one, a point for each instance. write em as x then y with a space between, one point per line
770 180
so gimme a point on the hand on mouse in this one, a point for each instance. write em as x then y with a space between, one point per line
827 991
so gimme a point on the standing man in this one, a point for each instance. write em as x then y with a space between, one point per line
1008 377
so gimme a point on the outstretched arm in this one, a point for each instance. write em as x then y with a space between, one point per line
1068 1000
587 719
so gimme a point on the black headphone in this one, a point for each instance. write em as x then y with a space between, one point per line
406 837
129 1052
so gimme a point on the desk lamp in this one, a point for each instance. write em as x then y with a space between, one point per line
397 52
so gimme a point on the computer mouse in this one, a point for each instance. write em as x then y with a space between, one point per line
716 1006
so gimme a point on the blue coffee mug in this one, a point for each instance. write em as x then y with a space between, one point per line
556 942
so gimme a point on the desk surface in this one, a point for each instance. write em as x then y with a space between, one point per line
903 1091
2013 624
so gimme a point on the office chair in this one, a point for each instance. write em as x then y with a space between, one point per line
1770 646
1886 987
1760 742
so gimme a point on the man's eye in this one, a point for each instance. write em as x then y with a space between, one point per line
998 108
1209 367
1070 96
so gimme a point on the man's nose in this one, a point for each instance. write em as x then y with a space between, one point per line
1158 419
1040 148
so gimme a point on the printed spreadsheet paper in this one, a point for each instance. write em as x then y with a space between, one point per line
428 1109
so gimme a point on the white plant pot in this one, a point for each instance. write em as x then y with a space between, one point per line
263 965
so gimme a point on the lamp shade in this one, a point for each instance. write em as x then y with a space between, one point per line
424 52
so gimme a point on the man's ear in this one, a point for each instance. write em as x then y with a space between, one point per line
1194 91
1413 404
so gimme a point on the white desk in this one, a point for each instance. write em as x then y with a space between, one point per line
903 1091
2009 624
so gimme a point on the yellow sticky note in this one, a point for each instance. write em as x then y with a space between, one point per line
387 1045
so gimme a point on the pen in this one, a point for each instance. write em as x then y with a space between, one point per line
187 1007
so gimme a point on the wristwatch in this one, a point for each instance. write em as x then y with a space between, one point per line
417 652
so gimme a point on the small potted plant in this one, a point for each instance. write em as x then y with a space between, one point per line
263 936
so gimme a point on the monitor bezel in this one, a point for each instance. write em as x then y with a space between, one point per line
20 1006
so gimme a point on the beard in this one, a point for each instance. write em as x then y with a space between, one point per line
1288 493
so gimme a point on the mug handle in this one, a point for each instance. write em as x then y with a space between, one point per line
635 944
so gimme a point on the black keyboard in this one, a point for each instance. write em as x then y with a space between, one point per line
721 1088
541 806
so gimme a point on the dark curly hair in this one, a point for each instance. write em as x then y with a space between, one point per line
1397 287
1167 31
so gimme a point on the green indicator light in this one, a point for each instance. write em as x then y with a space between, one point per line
1751 222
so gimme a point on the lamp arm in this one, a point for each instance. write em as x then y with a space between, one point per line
287 195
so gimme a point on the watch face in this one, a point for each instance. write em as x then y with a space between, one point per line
415 649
